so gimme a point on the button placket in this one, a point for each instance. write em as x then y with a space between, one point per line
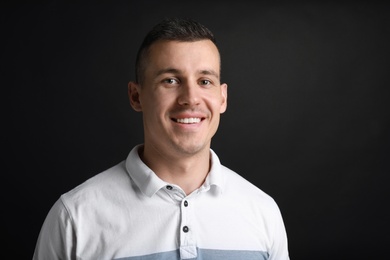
187 238
175 193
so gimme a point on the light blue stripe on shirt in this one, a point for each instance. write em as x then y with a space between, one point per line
205 254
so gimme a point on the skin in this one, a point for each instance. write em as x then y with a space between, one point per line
182 80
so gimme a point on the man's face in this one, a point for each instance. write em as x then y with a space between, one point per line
181 96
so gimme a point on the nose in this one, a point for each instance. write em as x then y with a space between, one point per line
189 94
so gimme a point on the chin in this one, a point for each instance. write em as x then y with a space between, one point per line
190 149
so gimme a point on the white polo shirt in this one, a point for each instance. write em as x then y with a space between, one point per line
127 212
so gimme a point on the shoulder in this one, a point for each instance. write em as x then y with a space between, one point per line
246 192
98 188
238 189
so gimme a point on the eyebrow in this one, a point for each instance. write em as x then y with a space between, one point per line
176 71
210 72
168 70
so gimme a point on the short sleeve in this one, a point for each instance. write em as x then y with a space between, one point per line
57 238
279 248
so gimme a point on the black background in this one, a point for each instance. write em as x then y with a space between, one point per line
307 120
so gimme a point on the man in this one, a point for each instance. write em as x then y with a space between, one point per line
171 198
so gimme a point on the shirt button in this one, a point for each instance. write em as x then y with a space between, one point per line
185 203
185 229
169 187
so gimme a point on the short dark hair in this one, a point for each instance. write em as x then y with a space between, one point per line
170 29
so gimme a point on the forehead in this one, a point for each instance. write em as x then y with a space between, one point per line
201 54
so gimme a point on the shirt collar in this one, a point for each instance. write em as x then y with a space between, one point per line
149 183
215 178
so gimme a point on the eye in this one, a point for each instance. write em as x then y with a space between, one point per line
205 82
170 81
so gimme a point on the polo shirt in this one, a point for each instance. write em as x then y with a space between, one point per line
128 212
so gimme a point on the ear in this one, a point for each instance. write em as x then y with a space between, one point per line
224 98
133 90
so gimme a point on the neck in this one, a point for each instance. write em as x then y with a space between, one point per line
187 171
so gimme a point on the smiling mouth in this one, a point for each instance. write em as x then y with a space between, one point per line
191 120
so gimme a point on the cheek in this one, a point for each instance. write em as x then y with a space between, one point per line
156 105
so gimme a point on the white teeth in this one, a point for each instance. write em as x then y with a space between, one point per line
191 120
